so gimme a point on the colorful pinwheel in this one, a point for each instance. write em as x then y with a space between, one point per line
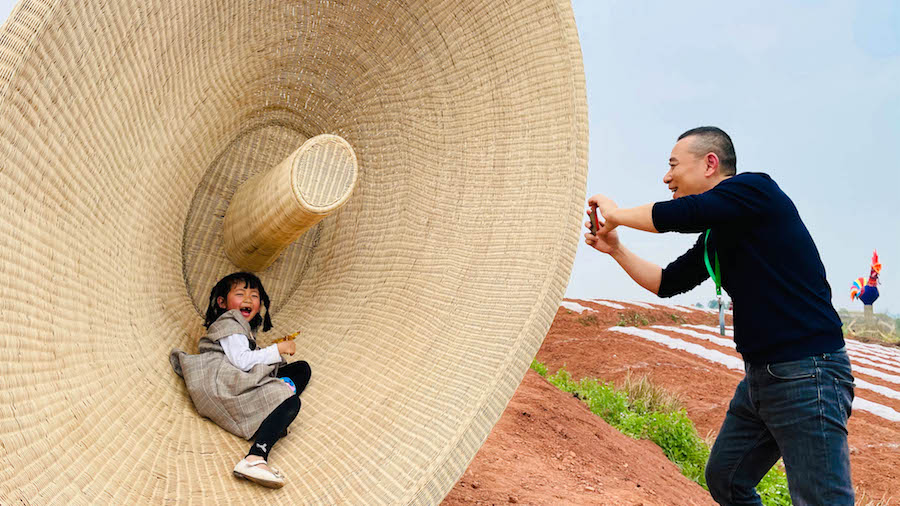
857 287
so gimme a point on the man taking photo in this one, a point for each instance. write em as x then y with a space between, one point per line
796 395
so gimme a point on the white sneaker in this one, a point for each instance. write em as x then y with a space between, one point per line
251 471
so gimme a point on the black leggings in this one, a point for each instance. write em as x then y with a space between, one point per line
299 372
274 427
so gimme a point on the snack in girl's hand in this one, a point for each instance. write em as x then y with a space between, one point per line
287 338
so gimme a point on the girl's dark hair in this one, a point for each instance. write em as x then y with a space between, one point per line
248 280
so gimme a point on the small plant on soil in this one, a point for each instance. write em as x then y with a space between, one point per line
633 319
678 320
588 320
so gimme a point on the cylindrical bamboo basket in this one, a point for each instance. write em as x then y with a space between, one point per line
273 209
126 127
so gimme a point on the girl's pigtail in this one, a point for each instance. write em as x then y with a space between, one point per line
211 313
267 322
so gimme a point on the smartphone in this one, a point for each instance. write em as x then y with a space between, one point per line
595 226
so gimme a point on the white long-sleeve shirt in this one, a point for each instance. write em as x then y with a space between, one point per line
237 349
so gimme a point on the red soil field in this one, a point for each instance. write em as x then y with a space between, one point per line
547 448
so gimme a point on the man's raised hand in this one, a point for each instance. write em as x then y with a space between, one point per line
604 241
605 206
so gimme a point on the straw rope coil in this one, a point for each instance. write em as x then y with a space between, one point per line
126 127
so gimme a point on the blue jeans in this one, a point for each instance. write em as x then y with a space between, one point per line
797 410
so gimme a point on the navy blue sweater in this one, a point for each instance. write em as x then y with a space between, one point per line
769 266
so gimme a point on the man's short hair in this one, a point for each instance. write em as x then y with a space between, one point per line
710 139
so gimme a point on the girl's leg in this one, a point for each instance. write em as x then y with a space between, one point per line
299 372
274 426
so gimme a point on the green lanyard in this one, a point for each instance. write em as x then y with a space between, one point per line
717 279
716 276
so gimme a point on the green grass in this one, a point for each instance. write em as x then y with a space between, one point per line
642 410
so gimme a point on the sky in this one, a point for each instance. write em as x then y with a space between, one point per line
808 91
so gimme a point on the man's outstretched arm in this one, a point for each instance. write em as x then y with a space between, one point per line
643 272
686 272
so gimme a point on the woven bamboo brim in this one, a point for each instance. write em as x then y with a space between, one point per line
125 128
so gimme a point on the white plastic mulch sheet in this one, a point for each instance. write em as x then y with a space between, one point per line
574 306
607 303
866 359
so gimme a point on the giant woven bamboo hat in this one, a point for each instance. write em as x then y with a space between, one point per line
126 130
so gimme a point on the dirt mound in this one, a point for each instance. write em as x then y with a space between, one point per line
549 449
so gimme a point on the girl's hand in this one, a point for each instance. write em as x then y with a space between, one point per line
287 347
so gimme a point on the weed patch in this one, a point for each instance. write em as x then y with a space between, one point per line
647 397
678 320
864 500
587 320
